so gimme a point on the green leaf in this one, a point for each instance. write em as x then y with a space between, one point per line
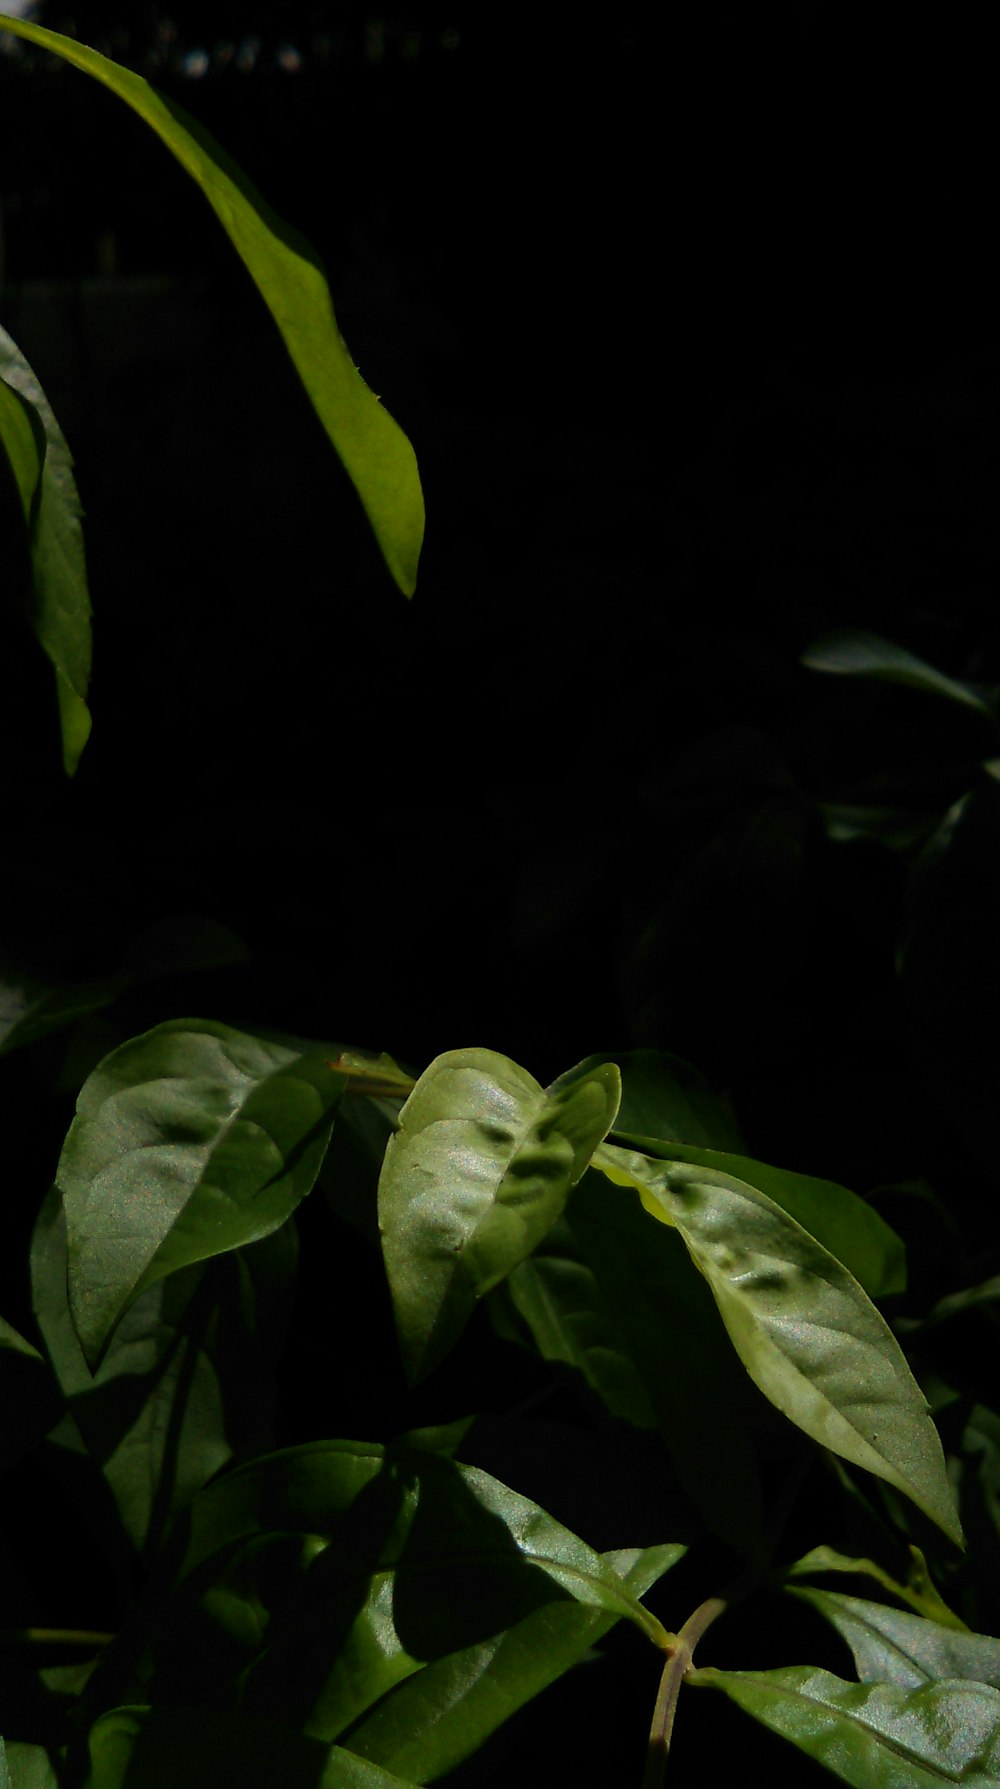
847 1226
373 449
60 607
29 1396
665 1097
867 655
606 1292
189 1141
31 1009
159 1748
478 1171
28 1767
893 1646
393 1600
920 1593
187 1380
875 1736
802 1325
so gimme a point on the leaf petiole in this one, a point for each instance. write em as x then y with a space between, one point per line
680 1660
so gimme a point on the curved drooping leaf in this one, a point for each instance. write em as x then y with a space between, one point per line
892 1646
619 1300
853 654
187 1379
373 449
188 1141
160 1748
60 607
847 1226
389 1599
801 1324
478 1171
878 1735
920 1592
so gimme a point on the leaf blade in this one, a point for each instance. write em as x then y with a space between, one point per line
373 449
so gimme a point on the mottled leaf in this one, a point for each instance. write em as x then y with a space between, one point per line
478 1171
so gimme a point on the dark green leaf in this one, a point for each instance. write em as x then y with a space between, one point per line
893 1646
189 1141
663 1096
186 1381
30 1009
376 454
29 1397
849 1228
867 655
802 1325
160 1748
875 1736
478 1171
619 1300
323 1584
60 607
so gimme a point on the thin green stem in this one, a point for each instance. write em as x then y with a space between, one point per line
54 1636
680 1660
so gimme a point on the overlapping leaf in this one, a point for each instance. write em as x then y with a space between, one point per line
892 1646
189 1141
801 1324
187 1379
389 1599
43 472
855 654
877 1735
477 1173
373 449
158 1748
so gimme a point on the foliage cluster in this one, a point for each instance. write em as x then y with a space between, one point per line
766 1423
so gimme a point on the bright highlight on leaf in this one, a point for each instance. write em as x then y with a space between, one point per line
190 1141
375 453
476 1175
802 1325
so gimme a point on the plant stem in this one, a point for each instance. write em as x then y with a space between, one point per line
680 1659
54 1636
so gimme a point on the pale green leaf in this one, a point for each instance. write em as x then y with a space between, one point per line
802 1325
28 1767
920 1592
477 1173
189 1141
373 449
892 1646
878 1735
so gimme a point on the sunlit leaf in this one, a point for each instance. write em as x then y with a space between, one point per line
189 1141
867 655
802 1325
878 1735
892 1646
60 602
849 1228
375 453
478 1171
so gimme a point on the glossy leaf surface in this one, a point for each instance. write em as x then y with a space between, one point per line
801 1324
477 1173
849 1228
387 1598
189 1141
373 449
60 601
879 1735
187 1380
892 1646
